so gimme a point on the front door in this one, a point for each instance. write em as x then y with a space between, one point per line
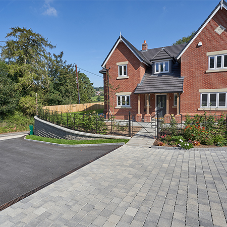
161 103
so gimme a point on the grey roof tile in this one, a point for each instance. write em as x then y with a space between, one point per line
161 83
165 52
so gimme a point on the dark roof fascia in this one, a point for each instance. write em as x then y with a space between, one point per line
103 71
136 52
163 59
202 26
131 47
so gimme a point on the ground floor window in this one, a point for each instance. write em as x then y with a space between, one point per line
123 100
213 100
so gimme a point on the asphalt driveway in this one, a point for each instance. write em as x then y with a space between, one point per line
26 165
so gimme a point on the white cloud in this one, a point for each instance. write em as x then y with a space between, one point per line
50 11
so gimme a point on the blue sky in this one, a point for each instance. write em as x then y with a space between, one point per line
86 30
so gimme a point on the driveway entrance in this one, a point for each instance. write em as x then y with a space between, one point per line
26 165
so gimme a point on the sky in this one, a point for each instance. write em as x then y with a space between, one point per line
86 30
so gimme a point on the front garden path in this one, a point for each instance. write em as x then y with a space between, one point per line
135 185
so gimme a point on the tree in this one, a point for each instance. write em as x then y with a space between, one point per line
27 56
86 88
8 92
184 39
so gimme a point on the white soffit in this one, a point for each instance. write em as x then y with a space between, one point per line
208 20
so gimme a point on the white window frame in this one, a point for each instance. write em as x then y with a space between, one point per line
217 100
122 75
159 68
125 96
215 62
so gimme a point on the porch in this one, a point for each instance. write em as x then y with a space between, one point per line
149 103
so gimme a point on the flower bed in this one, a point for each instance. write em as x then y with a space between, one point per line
197 131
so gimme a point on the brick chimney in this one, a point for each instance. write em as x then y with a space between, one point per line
144 46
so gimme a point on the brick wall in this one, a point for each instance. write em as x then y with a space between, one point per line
194 63
135 71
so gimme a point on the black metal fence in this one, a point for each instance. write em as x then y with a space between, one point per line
90 122
214 123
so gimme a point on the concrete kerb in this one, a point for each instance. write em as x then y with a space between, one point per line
76 145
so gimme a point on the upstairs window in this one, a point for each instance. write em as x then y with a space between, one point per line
122 70
161 67
218 61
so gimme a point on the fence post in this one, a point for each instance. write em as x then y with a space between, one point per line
61 118
157 123
67 119
129 124
111 129
226 121
74 120
96 123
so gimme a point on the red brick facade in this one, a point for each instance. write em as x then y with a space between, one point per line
194 63
135 72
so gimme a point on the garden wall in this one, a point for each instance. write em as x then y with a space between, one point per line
50 130
76 107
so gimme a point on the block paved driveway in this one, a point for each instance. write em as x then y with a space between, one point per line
133 186
26 165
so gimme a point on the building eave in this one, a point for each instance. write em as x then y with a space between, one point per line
120 39
217 8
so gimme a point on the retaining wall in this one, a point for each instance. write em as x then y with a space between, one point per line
50 130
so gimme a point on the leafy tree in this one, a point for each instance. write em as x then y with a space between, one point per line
85 88
27 105
8 92
184 39
27 56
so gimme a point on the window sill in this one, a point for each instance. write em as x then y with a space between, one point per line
161 72
122 77
216 70
123 107
213 108
174 106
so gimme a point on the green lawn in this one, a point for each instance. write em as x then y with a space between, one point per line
74 142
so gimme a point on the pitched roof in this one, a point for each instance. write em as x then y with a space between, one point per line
221 4
134 50
163 52
161 83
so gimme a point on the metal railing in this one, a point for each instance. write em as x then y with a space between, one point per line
91 122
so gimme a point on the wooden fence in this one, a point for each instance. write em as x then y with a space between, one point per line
76 107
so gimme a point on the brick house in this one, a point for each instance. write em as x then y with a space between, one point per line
183 79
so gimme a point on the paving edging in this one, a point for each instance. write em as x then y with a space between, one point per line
192 149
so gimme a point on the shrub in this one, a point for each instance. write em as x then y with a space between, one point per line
185 145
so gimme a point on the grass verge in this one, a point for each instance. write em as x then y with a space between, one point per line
74 142
16 123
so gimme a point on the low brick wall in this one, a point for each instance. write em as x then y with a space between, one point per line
47 129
